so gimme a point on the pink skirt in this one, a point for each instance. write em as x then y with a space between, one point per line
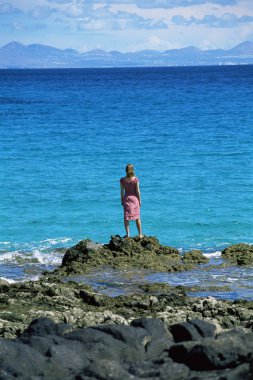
131 207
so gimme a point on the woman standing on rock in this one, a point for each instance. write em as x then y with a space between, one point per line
131 199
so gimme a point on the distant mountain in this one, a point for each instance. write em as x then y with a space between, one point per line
245 48
17 55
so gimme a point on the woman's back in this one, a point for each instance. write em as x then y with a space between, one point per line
129 185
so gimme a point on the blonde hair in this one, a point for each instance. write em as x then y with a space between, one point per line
130 170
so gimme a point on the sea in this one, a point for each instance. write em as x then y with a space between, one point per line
66 136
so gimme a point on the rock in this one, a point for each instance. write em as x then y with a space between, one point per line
80 306
145 253
184 331
4 285
106 369
136 245
95 299
45 326
144 350
227 351
23 362
204 328
241 254
154 326
162 288
238 373
163 369
71 354
81 252
195 256
161 339
123 343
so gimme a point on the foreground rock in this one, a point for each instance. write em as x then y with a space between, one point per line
80 306
147 349
145 253
240 254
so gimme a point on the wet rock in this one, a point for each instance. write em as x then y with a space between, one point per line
195 256
212 288
146 253
4 285
95 299
80 252
159 288
240 254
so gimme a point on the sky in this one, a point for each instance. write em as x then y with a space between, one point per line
127 25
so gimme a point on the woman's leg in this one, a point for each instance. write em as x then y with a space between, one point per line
138 225
126 224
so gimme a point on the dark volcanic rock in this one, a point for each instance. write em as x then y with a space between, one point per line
227 351
45 326
184 331
194 329
161 338
144 350
241 254
22 361
205 329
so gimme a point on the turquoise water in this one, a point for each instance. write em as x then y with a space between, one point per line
66 136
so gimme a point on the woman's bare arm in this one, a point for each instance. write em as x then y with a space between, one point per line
122 193
138 192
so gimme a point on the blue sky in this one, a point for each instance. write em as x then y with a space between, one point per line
127 25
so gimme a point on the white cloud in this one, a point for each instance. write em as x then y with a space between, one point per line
99 18
93 24
227 20
7 8
42 12
76 10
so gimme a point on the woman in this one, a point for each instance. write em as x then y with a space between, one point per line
131 199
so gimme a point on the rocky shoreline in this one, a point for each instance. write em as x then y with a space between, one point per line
154 315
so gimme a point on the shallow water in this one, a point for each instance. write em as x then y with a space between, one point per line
114 282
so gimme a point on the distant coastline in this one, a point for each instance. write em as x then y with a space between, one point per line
15 55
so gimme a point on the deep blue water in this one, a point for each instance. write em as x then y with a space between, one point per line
66 136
